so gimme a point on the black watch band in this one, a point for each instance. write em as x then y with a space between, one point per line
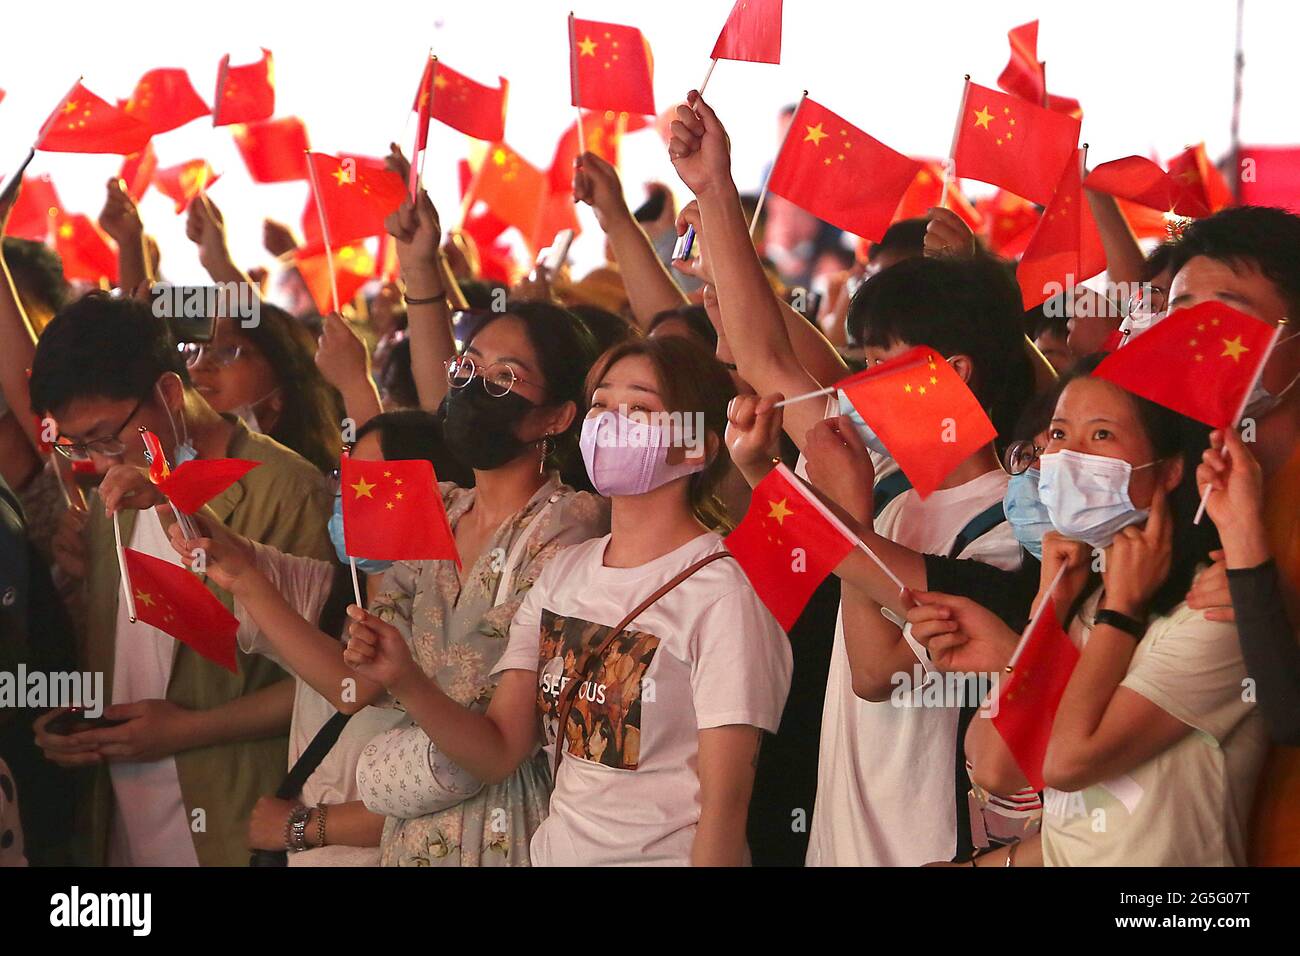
1130 626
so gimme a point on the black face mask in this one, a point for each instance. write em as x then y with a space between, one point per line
480 429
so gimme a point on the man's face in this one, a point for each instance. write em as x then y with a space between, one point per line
91 418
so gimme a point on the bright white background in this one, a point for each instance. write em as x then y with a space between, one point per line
1153 76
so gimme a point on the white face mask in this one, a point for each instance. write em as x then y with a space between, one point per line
248 414
1261 401
1086 496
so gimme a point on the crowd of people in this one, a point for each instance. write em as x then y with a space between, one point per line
595 681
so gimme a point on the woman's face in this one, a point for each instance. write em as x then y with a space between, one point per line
229 382
1097 418
504 344
631 387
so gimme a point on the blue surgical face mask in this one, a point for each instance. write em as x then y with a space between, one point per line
1026 512
1087 497
365 565
184 449
861 427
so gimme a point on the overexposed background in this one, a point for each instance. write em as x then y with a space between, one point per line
1153 76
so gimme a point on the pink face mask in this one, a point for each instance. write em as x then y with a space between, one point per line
624 457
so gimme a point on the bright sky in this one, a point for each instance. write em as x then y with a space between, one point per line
1152 76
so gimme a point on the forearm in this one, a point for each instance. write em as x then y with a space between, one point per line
813 350
263 713
650 289
132 266
1075 750
471 740
428 326
361 401
720 835
222 269
1124 259
346 824
877 651
992 765
866 576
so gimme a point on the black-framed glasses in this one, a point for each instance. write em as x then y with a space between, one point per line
1021 456
499 379
111 446
222 356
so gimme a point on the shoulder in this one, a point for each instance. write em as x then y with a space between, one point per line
277 465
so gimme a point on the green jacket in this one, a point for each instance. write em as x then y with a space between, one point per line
284 503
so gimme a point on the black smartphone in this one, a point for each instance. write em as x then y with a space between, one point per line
74 721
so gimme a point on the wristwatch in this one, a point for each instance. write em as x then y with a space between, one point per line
1130 626
298 817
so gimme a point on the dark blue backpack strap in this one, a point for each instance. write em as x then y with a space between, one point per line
977 527
887 489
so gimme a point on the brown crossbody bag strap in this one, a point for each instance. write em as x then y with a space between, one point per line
570 693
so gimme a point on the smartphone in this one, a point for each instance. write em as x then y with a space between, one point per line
554 256
74 721
685 243
199 328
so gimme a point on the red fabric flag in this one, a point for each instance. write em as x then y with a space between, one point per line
1270 176
194 483
275 151
36 209
1066 246
557 214
1029 697
1011 143
603 133
840 174
612 68
84 123
164 99
393 511
787 543
1145 222
137 171
512 188
87 253
245 94
752 32
1026 76
356 193
354 266
1201 362
1194 172
182 183
1139 180
926 191
1009 223
159 469
174 600
921 411
474 109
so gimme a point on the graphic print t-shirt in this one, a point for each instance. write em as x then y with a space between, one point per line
707 654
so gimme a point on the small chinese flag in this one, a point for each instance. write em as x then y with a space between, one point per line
83 123
926 191
392 511
603 133
840 174
182 183
1201 362
556 215
1139 180
1009 142
921 411
159 469
356 193
174 600
274 150
354 266
787 543
1030 695
36 209
472 108
165 99
245 94
1066 245
137 171
1025 75
512 188
1194 172
1009 223
752 32
612 68
193 483
88 255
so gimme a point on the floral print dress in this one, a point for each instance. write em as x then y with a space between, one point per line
456 634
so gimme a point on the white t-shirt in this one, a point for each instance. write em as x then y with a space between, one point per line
886 787
150 824
707 654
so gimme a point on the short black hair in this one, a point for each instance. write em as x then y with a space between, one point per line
1261 236
37 272
696 318
608 328
905 237
102 346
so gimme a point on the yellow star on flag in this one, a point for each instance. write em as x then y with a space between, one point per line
145 598
982 117
363 489
587 47
815 135
779 511
1234 348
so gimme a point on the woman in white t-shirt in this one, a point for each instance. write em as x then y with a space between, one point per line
662 726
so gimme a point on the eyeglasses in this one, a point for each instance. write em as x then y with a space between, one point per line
1021 456
1148 300
221 356
499 379
110 446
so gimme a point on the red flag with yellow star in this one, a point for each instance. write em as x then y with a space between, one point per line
752 33
87 253
84 123
354 266
274 150
164 99
137 171
1008 142
787 543
183 182
474 109
840 174
1201 362
1139 180
603 134
512 188
393 511
612 68
356 194
1030 695
174 600
36 209
926 191
245 93
193 483
1026 76
1009 223
923 413
1194 172
1066 246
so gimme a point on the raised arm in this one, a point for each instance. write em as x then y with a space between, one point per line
1124 259
206 228
120 218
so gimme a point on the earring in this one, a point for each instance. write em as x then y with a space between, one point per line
548 446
